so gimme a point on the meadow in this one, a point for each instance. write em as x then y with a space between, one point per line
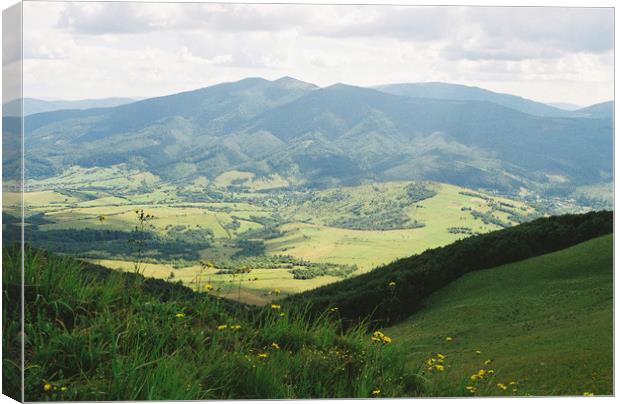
546 323
98 334
244 226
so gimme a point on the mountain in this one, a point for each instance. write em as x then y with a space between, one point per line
358 131
446 91
565 106
603 110
324 136
34 105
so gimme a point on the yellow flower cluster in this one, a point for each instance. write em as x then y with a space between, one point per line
481 374
471 389
378 336
179 315
207 287
376 392
504 386
47 387
275 345
436 363
275 306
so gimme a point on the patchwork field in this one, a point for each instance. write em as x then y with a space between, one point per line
545 323
256 235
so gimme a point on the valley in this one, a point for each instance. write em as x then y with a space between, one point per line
248 236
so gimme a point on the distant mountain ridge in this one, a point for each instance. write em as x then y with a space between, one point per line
604 110
34 105
447 91
315 136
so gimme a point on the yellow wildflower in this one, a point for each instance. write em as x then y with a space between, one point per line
478 352
333 309
63 388
376 392
449 339
275 345
501 386
262 355
235 327
471 389
441 356
207 287
392 284
275 306
282 314
222 327
439 368
430 362
588 393
47 387
488 362
490 372
180 315
378 336
512 383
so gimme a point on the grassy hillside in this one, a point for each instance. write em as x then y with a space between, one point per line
546 322
94 334
393 292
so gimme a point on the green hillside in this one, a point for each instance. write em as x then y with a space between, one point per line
546 322
93 334
395 291
96 334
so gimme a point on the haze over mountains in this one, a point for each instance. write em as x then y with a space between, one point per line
339 134
35 105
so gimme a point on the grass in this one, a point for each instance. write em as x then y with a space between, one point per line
82 207
546 322
93 334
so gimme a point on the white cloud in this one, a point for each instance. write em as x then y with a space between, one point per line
80 50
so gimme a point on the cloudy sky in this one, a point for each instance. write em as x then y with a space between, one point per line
95 50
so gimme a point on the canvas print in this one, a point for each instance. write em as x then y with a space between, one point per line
210 201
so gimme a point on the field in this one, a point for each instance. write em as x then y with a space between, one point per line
546 323
539 326
257 236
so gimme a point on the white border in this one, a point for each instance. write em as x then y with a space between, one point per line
553 3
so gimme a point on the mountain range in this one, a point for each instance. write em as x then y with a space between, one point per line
340 134
35 105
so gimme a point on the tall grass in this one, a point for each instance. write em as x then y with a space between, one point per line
93 334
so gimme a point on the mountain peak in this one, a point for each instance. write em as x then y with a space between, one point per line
291 82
